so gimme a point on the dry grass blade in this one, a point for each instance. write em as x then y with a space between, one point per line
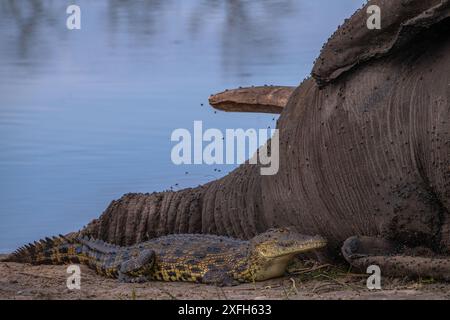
340 283
168 293
308 270
294 287
36 275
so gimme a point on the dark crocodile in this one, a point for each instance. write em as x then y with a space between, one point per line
187 257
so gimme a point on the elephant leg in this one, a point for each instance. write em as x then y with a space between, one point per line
362 252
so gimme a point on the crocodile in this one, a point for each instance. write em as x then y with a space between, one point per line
364 146
208 259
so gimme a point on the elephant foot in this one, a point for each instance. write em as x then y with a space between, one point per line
362 252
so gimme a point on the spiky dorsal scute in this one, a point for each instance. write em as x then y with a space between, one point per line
29 252
97 245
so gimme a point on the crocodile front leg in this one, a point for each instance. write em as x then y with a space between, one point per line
219 278
137 269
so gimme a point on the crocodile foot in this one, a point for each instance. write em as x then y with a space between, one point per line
219 278
362 252
137 269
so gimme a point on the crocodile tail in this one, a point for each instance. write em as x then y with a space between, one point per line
56 250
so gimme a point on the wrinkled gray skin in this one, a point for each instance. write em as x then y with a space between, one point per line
364 155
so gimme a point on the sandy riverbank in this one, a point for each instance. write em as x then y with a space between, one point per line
22 281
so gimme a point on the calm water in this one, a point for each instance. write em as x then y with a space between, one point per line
86 116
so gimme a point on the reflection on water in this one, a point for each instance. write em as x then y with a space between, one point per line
86 115
143 18
245 26
27 31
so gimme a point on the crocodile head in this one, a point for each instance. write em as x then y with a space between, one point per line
281 242
270 252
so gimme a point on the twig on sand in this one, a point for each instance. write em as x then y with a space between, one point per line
168 293
340 283
286 293
223 293
292 290
355 275
325 285
35 275
276 286
294 287
308 270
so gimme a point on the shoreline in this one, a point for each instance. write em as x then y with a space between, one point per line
27 282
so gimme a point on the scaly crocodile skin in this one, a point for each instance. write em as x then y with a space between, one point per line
189 257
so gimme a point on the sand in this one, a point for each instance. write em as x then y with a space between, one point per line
23 281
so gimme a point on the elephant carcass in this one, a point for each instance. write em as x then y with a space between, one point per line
364 150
